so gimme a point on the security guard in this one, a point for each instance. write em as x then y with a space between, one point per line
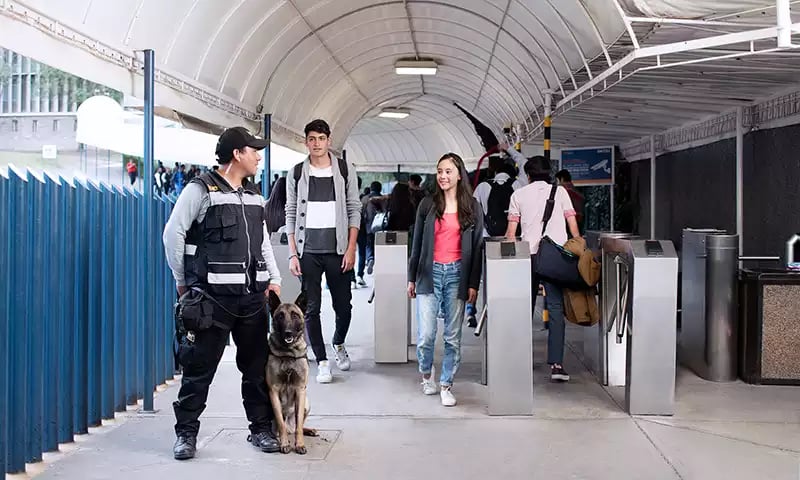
223 265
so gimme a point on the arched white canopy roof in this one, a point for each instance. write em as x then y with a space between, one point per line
227 62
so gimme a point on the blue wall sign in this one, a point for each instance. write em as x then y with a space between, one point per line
589 166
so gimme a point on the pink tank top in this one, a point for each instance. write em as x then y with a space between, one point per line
447 239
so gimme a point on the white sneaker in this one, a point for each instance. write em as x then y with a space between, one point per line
429 386
448 399
342 358
324 372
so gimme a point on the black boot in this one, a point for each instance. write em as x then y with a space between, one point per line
185 447
264 441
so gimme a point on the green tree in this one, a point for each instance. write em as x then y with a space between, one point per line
53 77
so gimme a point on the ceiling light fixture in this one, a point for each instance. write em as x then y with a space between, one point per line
415 67
394 113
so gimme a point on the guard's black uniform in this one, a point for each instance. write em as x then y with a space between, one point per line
224 259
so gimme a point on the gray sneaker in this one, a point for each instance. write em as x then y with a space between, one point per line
342 358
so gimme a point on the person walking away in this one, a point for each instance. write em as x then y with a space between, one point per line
219 253
361 241
564 178
133 171
323 214
444 270
275 208
369 210
179 180
527 209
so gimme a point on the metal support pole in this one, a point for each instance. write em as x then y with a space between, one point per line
147 260
740 179
611 190
784 14
548 112
652 186
266 175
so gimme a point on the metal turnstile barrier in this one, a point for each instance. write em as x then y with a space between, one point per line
643 315
708 338
391 306
507 326
602 354
290 285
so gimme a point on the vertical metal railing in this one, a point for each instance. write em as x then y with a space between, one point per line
73 345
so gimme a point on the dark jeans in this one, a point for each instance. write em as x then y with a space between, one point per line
554 303
201 358
370 247
313 266
362 250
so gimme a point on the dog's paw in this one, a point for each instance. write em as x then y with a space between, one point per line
310 432
286 448
301 450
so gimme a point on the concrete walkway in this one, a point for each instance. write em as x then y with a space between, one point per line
376 424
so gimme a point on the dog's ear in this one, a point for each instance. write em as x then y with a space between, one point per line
301 301
274 301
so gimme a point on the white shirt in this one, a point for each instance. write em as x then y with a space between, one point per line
527 207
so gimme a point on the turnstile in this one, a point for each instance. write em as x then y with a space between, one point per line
508 329
391 304
602 354
644 282
290 285
709 267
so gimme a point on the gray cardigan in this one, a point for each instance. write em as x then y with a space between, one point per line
348 208
420 265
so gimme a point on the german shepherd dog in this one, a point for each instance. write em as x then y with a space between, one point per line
287 372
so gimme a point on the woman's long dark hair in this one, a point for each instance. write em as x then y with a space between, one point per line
275 208
401 208
466 215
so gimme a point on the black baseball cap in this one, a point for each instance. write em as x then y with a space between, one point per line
237 138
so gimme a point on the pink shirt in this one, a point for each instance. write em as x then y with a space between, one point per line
447 239
527 207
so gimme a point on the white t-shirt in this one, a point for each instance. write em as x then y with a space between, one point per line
527 207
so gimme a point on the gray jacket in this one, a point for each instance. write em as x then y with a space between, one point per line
348 208
420 265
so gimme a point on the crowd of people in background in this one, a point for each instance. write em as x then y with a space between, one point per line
171 181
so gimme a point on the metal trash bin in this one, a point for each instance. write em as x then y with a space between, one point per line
721 316
708 338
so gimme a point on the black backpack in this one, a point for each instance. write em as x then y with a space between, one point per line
297 172
496 218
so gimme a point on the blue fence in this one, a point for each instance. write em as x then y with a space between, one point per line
86 325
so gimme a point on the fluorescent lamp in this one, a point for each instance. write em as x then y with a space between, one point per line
415 67
394 113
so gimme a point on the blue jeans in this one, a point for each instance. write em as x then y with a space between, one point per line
554 302
555 333
446 279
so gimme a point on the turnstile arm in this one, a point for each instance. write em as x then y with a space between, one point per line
481 321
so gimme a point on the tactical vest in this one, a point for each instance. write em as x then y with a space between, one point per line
223 252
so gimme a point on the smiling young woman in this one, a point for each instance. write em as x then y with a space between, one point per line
445 269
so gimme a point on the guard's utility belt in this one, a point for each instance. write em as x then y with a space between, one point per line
194 312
